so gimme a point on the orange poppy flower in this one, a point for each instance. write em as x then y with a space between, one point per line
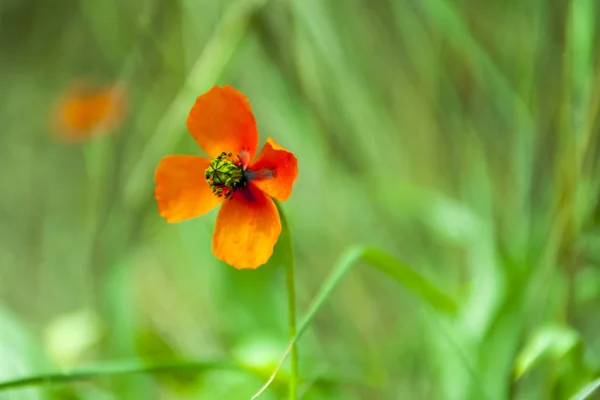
248 224
86 109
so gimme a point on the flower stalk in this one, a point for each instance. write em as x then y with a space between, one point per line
288 252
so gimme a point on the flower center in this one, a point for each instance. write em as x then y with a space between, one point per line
225 175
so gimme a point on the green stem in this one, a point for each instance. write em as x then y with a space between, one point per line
292 322
291 292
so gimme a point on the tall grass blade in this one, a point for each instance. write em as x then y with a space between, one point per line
400 272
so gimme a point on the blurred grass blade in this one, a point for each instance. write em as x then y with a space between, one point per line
587 391
204 73
448 20
400 272
581 35
581 30
410 279
552 341
114 370
386 263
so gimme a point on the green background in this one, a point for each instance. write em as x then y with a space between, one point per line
459 136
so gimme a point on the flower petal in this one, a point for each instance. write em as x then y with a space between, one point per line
86 109
275 170
221 120
181 188
247 229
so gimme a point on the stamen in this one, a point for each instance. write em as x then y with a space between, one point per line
263 173
225 175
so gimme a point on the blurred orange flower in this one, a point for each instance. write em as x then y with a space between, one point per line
86 109
248 224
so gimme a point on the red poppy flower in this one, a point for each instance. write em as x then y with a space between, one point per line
248 224
86 109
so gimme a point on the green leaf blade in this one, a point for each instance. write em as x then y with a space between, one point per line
410 279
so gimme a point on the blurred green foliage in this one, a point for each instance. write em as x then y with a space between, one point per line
459 135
